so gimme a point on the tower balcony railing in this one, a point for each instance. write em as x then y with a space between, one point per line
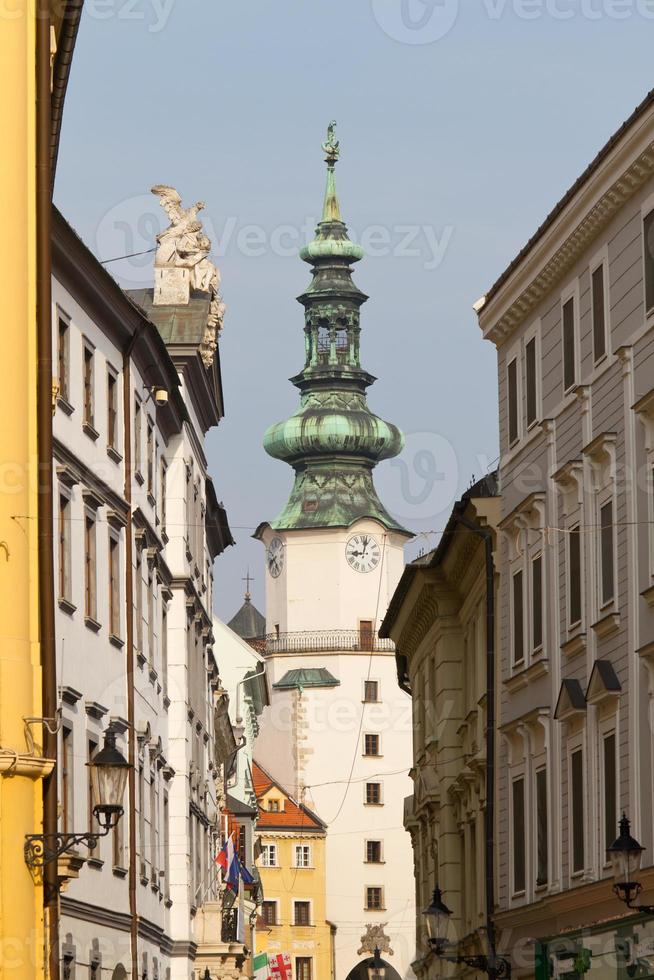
321 641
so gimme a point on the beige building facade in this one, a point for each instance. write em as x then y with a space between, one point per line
438 620
572 319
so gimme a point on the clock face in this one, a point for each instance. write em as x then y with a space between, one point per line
275 557
362 552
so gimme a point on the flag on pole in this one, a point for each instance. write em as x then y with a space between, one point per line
260 967
280 967
228 862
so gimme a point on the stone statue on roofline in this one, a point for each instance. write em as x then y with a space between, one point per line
182 264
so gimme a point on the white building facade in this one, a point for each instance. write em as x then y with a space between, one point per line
138 527
338 732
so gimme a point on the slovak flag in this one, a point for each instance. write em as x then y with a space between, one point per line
228 862
231 867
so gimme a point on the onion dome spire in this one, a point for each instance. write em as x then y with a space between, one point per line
333 441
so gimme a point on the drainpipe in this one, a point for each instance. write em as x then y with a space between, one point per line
487 536
129 640
44 475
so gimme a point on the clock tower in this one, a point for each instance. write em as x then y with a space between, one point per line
338 731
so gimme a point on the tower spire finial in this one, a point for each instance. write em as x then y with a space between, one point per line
331 146
248 581
331 209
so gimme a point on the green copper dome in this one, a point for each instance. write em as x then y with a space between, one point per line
333 440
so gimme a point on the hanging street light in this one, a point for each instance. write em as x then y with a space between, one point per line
626 856
438 917
376 966
108 773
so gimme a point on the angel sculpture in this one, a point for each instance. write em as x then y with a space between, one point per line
331 146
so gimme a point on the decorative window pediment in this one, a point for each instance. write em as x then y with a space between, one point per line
570 482
601 453
571 700
603 683
644 409
528 516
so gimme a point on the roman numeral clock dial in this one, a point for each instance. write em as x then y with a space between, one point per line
275 557
362 552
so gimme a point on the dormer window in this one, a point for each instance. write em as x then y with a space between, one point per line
273 806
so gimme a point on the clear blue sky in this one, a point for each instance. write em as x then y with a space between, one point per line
461 124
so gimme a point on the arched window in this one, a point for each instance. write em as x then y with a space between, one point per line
323 343
342 343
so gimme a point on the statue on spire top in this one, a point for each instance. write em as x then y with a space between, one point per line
331 146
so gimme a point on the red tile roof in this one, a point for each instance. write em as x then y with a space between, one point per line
294 816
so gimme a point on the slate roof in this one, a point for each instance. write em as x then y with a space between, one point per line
306 677
248 623
295 816
177 324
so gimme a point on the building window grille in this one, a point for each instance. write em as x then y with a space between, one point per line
303 968
373 852
373 794
371 745
302 913
374 898
269 913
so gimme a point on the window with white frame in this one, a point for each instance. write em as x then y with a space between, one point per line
63 356
518 617
532 375
301 912
513 400
90 566
576 809
519 843
648 259
65 546
112 409
302 856
569 340
88 364
537 603
542 827
269 912
269 855
609 783
606 552
114 583
574 576
599 307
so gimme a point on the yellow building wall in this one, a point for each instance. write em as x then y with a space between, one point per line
21 899
286 883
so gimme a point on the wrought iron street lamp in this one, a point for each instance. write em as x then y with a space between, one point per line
376 966
626 856
108 771
438 919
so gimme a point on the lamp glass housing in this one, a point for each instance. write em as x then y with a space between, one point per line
376 967
626 855
108 770
438 919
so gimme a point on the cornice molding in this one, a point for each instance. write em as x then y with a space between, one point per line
553 269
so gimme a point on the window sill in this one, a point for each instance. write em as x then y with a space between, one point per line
648 596
67 606
140 658
376 908
92 624
152 674
168 902
576 644
374 863
90 431
365 755
119 872
537 668
144 879
116 641
96 863
151 499
138 476
373 804
606 625
113 453
166 701
64 405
